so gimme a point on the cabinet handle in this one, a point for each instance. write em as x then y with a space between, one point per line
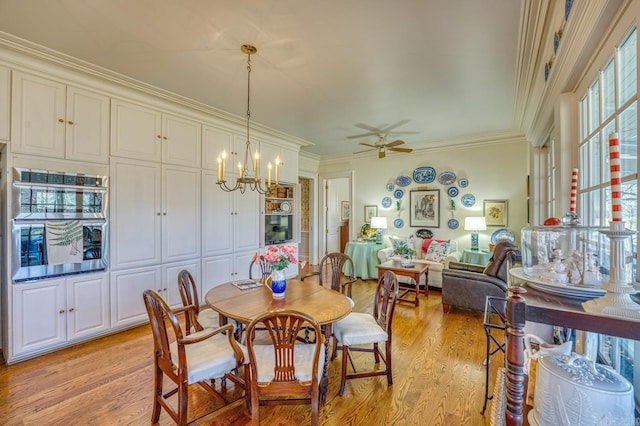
70 122
158 214
60 120
62 311
159 137
164 214
71 310
164 137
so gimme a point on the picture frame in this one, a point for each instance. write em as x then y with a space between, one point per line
496 212
369 212
345 210
424 208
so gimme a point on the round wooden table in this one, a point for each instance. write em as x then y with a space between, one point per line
323 304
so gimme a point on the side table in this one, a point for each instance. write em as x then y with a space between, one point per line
476 257
414 272
365 259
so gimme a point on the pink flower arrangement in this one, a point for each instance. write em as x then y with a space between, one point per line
280 256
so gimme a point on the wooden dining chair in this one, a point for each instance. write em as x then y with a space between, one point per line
200 318
188 359
286 371
333 263
264 267
358 329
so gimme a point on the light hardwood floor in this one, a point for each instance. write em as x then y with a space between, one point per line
437 371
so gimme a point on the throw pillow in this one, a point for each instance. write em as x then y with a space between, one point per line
396 243
438 251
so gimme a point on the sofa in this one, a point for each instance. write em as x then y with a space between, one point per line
467 286
436 253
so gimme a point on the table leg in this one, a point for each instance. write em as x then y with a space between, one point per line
324 384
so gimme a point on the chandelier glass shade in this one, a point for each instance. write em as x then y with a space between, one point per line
245 179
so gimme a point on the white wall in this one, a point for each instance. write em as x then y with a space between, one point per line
495 172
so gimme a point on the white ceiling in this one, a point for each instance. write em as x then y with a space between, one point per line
325 70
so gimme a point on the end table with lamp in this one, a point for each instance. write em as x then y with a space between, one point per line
474 224
378 223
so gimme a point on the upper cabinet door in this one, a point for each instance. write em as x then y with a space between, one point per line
87 129
135 131
38 116
5 103
214 141
181 141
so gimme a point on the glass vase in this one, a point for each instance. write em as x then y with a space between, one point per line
278 283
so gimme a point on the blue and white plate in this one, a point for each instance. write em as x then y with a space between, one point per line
398 223
386 202
447 178
463 182
468 200
452 191
453 223
502 234
390 186
403 180
398 193
424 174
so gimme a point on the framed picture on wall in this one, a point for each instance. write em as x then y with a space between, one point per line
425 208
345 210
495 212
369 212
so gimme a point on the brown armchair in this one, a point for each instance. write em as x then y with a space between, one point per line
467 286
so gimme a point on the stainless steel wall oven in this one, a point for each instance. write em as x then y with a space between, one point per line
60 224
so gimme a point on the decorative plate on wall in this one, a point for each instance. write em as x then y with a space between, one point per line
403 180
398 193
424 233
386 202
285 206
447 178
425 174
453 223
452 191
398 223
463 182
389 186
468 200
502 234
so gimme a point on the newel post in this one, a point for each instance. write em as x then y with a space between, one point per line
515 379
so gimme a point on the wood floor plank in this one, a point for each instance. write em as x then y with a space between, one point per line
437 372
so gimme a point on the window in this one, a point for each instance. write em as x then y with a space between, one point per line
610 105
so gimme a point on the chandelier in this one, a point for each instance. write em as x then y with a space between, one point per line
245 179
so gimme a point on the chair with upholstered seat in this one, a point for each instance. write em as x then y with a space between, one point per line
202 317
358 329
286 371
187 359
334 263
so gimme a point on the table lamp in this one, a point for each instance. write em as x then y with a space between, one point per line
378 223
474 224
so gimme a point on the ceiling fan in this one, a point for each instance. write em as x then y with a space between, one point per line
382 145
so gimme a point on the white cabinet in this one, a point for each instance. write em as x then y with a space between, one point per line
5 103
221 269
52 312
288 169
146 134
155 213
54 120
170 281
127 305
230 219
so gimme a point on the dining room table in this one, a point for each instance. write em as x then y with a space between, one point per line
323 304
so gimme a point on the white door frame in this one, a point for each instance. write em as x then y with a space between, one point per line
322 207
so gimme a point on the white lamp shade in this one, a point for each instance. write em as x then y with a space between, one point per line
475 224
378 222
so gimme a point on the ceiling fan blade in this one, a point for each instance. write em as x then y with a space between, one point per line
368 144
393 126
362 135
369 128
394 143
400 149
382 153
402 133
366 150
